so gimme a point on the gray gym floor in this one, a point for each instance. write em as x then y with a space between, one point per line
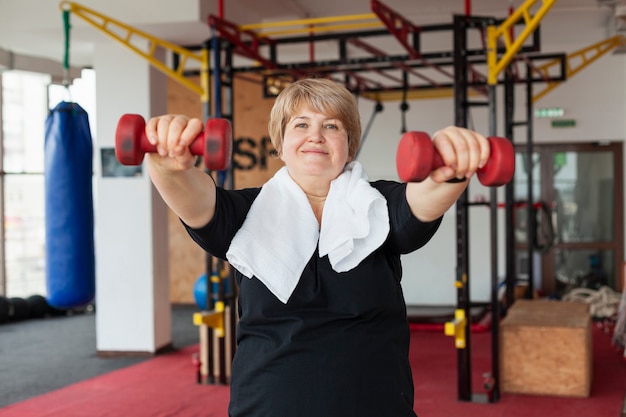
41 355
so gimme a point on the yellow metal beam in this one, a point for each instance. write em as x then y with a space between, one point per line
314 25
126 34
320 29
576 61
503 33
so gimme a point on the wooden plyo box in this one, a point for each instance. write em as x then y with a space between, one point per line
546 349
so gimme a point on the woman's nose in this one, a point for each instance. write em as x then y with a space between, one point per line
315 134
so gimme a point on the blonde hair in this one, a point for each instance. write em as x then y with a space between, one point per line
323 96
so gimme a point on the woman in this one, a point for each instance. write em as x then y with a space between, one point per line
322 325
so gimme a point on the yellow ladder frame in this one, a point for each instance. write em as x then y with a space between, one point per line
125 34
576 61
503 32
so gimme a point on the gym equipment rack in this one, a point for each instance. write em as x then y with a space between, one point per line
369 71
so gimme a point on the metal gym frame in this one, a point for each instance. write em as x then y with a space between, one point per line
404 78
518 62
373 73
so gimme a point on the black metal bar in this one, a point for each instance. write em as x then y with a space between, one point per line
530 212
343 51
415 58
404 105
232 303
206 79
509 124
229 182
464 381
440 58
227 75
437 27
273 53
478 103
217 79
221 342
493 394
210 360
357 34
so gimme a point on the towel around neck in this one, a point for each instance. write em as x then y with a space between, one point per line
280 233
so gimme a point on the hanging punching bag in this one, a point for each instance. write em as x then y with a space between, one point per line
70 263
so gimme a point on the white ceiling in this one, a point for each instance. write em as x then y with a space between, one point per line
34 27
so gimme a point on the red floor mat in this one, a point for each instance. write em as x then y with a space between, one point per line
160 387
165 386
433 358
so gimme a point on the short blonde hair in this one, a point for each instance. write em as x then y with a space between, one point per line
321 95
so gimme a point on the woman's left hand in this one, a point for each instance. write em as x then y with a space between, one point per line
463 152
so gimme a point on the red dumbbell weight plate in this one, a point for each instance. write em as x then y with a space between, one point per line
414 157
130 130
218 144
500 166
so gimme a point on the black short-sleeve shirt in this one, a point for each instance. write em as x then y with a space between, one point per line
339 346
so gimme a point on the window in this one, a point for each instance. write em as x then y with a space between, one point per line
24 110
26 99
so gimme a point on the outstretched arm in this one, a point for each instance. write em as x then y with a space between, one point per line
188 191
463 152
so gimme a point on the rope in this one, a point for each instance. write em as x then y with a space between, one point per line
66 57
404 106
377 109
603 303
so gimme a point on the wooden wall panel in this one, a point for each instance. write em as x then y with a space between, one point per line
187 260
253 165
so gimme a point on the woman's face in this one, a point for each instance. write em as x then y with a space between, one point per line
314 145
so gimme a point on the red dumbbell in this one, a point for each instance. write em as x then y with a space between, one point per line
214 144
416 158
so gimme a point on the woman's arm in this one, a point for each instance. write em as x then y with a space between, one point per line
463 152
187 190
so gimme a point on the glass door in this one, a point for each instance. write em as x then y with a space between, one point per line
578 205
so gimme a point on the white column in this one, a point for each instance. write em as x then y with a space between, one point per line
132 281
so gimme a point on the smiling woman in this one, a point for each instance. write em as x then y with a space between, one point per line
316 253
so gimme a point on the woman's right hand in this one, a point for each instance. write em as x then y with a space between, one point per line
172 134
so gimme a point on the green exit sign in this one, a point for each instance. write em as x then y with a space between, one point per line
564 123
549 112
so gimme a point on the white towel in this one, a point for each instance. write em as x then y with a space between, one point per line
355 220
280 233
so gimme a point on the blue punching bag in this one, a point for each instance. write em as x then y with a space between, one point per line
70 259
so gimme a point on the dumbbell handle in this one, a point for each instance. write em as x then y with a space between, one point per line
196 147
214 143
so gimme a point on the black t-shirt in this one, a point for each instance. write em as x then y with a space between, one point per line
339 347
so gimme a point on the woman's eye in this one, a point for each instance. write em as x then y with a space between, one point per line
301 125
331 126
